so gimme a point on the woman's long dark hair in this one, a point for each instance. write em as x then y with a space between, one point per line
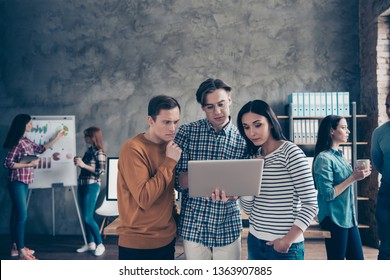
259 107
324 137
16 131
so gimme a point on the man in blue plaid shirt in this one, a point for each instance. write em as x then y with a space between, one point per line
210 228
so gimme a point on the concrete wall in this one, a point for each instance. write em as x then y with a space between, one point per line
375 84
103 60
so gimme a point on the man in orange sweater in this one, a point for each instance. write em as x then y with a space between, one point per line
146 177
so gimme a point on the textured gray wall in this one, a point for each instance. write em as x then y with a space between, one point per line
103 60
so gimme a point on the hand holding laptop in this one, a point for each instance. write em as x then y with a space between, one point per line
237 177
220 195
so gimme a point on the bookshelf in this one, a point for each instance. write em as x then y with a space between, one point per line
354 144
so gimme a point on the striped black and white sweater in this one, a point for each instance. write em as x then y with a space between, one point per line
287 196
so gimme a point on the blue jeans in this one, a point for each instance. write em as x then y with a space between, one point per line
88 195
164 253
345 243
18 192
383 222
259 250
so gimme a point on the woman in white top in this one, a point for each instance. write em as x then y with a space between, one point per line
287 202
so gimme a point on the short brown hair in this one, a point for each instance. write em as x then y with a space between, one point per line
208 86
161 102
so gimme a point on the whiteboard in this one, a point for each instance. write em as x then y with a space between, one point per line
112 175
56 165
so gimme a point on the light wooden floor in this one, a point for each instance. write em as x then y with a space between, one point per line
49 247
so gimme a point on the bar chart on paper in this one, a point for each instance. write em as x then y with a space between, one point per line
56 164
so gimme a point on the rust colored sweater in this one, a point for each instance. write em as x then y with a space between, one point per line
145 195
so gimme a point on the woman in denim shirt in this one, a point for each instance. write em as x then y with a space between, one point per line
334 178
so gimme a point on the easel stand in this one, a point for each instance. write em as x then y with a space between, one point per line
53 208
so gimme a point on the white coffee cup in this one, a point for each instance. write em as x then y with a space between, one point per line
363 163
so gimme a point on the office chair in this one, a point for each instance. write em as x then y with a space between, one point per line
108 208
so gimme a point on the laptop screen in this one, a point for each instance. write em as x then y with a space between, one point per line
112 174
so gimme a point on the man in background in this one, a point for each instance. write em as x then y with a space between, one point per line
380 153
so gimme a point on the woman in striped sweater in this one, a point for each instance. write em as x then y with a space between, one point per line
287 202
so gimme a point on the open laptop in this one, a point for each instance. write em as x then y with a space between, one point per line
236 177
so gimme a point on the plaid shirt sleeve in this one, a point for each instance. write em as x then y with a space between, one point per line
37 148
13 156
181 139
24 147
100 168
96 159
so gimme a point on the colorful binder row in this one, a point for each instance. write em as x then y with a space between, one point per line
317 104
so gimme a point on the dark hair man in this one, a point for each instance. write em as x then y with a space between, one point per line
146 169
